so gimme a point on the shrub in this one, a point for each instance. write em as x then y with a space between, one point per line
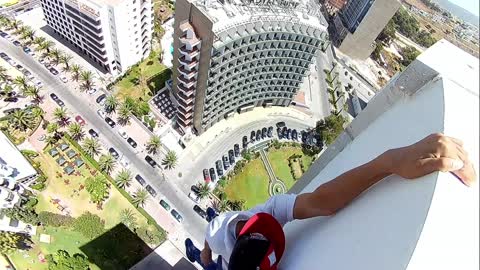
29 153
98 188
21 214
90 225
55 220
150 235
38 186
30 204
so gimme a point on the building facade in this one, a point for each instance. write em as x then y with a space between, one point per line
356 27
232 56
116 34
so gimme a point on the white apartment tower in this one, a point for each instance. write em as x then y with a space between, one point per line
114 33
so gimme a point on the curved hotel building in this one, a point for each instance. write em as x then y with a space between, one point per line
231 56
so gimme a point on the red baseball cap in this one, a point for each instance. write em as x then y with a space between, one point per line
260 244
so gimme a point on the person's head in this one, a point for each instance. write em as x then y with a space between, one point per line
260 244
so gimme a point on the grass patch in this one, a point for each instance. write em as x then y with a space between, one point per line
250 185
279 161
154 71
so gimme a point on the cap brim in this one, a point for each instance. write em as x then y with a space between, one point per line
269 227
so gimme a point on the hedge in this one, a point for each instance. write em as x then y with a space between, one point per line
55 220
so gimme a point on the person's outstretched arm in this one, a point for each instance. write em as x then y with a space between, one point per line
434 153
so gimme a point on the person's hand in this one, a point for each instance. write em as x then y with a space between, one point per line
435 152
206 256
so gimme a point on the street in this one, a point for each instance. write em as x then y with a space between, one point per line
192 223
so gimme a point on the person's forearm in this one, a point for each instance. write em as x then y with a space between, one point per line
334 195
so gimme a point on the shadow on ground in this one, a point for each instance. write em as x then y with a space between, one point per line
157 81
118 248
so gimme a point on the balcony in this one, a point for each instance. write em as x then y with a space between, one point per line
192 41
188 63
192 53
183 122
186 99
186 91
187 73
185 114
188 83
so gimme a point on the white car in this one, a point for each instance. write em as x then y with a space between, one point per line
124 162
38 83
193 197
101 113
11 62
92 91
123 134
63 79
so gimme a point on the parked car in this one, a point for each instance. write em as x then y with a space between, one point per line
17 43
236 150
176 215
279 133
39 83
294 134
122 133
218 165
194 197
289 133
93 133
213 176
200 211
53 71
80 120
101 113
270 132
113 152
226 163
124 162
140 180
303 134
92 91
151 190
101 98
110 122
206 176
264 133
63 79
53 96
132 142
244 141
195 189
57 100
231 156
3 34
150 161
19 67
280 124
164 204
252 136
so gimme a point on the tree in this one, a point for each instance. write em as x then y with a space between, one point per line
56 54
236 205
203 190
10 242
60 115
4 77
87 78
170 160
46 46
33 92
331 127
19 213
123 115
222 206
124 178
405 23
140 197
107 163
111 104
98 188
128 218
91 146
409 54
76 131
388 33
63 261
53 129
424 38
21 120
21 82
38 112
65 59
55 220
38 41
90 225
377 51
76 71
153 145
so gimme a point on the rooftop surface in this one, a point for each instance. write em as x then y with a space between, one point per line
238 12
430 223
11 157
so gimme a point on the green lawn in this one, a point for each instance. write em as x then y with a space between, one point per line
156 74
250 185
129 245
279 160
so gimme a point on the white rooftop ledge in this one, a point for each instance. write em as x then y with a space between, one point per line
430 223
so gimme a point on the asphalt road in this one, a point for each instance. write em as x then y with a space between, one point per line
192 223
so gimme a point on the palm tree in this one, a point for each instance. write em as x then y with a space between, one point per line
153 145
53 129
51 140
60 114
123 115
170 160
4 77
21 120
107 163
128 218
221 205
38 112
76 131
203 190
30 33
33 92
91 146
38 41
56 54
4 21
111 104
87 78
64 59
123 178
21 82
140 197
15 24
47 46
76 70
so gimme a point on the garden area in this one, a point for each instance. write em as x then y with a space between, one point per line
287 163
84 214
21 123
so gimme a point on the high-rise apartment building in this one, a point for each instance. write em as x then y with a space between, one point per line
359 23
116 34
231 56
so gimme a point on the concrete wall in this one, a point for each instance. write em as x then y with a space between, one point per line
360 44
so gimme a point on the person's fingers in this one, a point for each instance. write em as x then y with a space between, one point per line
444 164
